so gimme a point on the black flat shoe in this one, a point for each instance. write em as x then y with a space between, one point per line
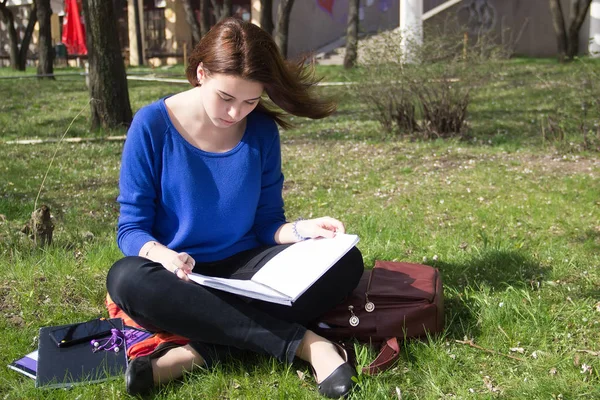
339 383
138 376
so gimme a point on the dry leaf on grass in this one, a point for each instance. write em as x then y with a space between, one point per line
586 369
470 343
594 353
398 393
487 381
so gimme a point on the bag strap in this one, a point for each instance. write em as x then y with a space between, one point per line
387 355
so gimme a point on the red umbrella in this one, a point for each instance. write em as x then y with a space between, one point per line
73 34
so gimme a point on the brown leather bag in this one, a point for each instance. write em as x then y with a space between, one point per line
395 300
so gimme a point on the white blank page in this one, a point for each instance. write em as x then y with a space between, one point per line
297 267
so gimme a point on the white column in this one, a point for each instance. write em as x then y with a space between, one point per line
594 46
411 25
255 12
133 42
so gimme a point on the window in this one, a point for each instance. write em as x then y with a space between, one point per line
154 27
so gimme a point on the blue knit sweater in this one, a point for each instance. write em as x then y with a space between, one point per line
210 205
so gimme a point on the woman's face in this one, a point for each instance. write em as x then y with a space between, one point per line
228 99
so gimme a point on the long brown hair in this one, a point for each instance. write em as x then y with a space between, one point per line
235 47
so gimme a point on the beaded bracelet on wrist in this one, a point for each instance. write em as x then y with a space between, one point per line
295 230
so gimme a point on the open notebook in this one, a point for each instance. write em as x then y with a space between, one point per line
289 273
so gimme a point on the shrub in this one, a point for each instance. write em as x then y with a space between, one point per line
590 106
425 92
574 124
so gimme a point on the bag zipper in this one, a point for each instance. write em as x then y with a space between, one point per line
369 306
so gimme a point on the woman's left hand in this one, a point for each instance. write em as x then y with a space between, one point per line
325 227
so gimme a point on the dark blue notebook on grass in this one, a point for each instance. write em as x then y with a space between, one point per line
77 364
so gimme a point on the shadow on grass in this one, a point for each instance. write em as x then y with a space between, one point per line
590 238
494 269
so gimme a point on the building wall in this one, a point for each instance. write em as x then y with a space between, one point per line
178 30
178 34
532 17
21 15
594 22
313 25
21 11
316 23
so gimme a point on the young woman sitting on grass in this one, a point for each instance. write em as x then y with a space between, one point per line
201 190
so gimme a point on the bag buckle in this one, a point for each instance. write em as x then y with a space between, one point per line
354 321
369 305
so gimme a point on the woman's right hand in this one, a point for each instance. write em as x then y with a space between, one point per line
181 265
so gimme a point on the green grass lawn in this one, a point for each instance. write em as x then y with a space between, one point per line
511 219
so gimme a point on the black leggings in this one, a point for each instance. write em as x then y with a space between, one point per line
217 321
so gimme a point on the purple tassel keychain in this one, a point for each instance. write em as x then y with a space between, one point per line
119 339
113 343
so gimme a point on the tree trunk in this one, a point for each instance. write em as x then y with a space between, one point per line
9 21
190 17
204 17
283 23
572 46
223 10
108 82
266 15
558 22
216 9
45 50
227 9
579 10
22 55
352 35
567 36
